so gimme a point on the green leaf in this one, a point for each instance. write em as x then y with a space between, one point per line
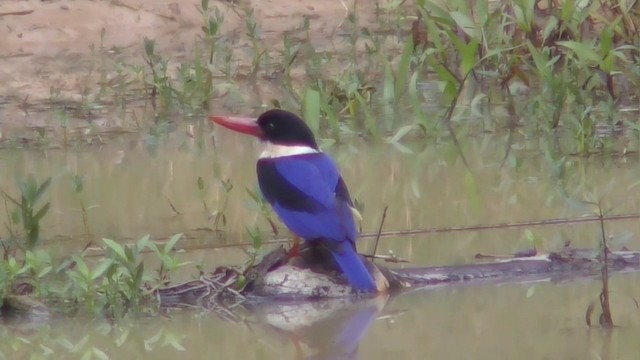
531 291
116 248
432 28
44 271
43 187
607 64
552 23
388 88
173 341
77 184
122 338
149 342
482 11
568 9
331 115
370 120
143 242
469 53
256 238
471 188
131 255
152 340
404 67
171 243
104 265
476 105
311 108
149 46
416 104
82 267
137 280
403 149
99 354
449 92
466 24
401 133
540 60
444 74
27 187
200 183
584 51
534 240
521 18
41 213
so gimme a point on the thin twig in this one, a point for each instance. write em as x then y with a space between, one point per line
556 221
384 216
544 222
449 114
606 320
23 12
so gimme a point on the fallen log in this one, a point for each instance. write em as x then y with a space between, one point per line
312 276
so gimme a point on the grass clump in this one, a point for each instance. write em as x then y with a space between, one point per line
32 280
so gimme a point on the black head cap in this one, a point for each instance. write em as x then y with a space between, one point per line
285 128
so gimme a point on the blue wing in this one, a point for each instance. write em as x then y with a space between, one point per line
309 195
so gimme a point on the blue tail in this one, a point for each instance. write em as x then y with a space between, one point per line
354 269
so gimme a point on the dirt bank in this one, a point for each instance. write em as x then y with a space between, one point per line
58 46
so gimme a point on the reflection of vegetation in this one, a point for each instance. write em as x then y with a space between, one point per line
219 215
96 339
78 186
264 209
606 319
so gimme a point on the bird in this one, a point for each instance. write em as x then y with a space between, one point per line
305 188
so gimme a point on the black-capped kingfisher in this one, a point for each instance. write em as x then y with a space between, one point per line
305 188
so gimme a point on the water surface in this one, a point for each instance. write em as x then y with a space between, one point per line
129 182
72 105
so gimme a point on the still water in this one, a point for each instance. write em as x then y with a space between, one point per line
170 179
135 185
466 323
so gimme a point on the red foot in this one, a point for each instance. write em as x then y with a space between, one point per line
295 247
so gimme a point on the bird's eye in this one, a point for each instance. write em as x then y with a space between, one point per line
272 126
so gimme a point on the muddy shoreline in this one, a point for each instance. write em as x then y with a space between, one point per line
66 50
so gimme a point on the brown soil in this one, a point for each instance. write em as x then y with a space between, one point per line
51 45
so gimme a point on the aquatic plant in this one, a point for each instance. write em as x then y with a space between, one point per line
26 212
116 284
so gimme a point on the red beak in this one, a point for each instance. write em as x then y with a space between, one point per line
240 124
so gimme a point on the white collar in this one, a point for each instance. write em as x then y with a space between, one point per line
275 151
